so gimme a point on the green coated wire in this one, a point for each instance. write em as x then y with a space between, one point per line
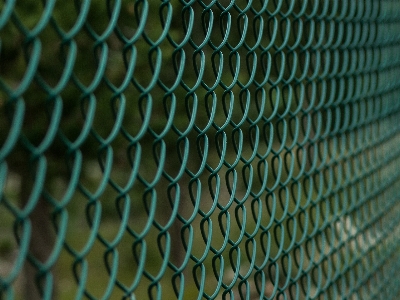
200 149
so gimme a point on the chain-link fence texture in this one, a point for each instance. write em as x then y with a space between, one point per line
200 149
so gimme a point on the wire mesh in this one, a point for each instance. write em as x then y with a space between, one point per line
199 149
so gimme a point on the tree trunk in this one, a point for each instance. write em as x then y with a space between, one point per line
41 242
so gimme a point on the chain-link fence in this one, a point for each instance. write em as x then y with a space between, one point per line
243 149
